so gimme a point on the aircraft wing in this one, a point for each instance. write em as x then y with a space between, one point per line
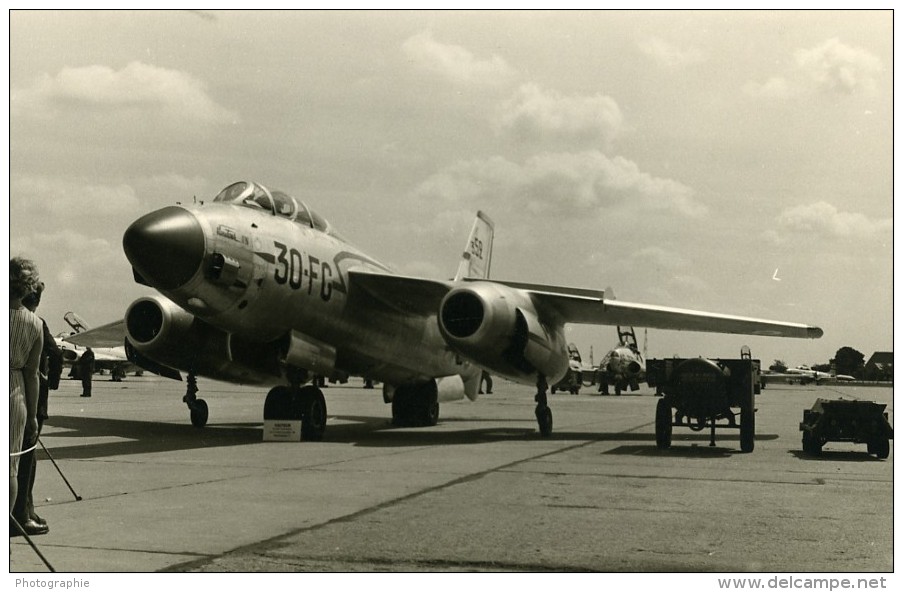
574 305
662 317
401 293
109 335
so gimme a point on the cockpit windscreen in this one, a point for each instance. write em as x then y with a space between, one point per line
277 203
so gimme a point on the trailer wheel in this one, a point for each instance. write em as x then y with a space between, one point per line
663 425
811 444
748 424
881 448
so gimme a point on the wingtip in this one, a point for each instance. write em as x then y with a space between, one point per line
814 332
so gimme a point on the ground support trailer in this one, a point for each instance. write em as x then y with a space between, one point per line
700 393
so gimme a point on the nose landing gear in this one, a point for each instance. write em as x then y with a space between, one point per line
197 407
543 413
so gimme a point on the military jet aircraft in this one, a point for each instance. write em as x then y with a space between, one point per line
257 288
623 366
112 359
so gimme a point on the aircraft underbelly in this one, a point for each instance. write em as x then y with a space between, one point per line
395 348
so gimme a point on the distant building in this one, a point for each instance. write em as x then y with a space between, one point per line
880 366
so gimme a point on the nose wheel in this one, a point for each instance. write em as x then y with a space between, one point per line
197 408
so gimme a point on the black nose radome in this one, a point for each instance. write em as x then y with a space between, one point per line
166 247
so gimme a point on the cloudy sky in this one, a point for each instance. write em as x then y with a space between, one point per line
679 157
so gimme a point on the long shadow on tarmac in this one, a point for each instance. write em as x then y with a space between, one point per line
836 456
142 437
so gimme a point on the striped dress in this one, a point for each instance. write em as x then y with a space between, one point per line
24 330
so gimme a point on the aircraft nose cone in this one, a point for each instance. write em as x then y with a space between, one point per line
166 247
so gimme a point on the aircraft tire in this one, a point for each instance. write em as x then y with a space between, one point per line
662 425
401 407
199 413
430 413
748 424
313 414
427 405
415 406
544 417
617 390
279 404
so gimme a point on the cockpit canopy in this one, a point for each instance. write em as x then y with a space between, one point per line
256 196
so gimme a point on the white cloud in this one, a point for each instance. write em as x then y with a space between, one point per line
137 87
536 114
775 88
657 258
71 199
834 66
829 67
825 220
87 256
582 184
668 55
454 62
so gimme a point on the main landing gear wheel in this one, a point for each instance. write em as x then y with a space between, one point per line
298 403
197 408
543 413
279 404
313 413
663 425
416 405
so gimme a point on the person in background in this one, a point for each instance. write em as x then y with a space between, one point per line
488 379
25 342
51 367
86 371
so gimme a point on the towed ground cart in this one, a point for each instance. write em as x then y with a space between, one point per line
700 393
843 420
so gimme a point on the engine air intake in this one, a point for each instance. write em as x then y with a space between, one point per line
462 314
144 321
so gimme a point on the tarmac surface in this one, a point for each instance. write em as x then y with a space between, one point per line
481 491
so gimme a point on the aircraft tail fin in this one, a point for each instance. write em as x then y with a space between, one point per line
477 256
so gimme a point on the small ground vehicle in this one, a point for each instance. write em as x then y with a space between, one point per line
843 420
703 392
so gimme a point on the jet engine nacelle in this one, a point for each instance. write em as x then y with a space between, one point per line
167 334
497 328
624 364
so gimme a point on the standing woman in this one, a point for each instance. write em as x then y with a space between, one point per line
25 341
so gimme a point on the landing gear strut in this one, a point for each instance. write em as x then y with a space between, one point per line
543 413
196 407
